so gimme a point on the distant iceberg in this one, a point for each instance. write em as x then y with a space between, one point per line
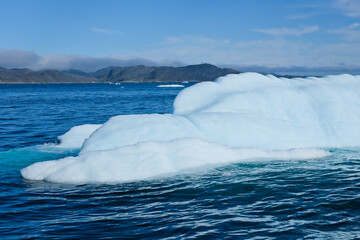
239 117
170 86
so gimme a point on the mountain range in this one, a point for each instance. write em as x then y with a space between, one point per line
190 73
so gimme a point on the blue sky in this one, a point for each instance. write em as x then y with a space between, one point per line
89 34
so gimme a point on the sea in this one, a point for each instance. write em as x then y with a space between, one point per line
287 199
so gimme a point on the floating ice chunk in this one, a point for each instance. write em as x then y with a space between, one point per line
75 137
212 123
151 159
170 86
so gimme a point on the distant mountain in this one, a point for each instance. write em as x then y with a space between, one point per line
191 73
48 76
77 72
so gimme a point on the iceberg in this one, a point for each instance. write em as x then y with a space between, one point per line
239 117
75 137
170 86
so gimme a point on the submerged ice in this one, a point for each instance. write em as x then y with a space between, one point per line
148 159
235 118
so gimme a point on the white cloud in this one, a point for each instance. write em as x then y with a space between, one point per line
194 40
15 58
270 53
191 49
107 31
348 51
199 49
300 16
350 33
172 40
288 31
87 63
350 8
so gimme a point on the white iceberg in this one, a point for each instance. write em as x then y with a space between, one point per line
235 118
170 86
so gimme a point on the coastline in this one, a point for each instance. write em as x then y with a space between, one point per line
33 83
134 74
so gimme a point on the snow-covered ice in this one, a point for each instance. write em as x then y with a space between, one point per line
238 117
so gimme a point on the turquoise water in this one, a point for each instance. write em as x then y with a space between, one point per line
312 199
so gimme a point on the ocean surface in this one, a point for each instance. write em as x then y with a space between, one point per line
278 199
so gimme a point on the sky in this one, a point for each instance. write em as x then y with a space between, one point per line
296 35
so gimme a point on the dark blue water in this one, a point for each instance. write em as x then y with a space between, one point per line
314 199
